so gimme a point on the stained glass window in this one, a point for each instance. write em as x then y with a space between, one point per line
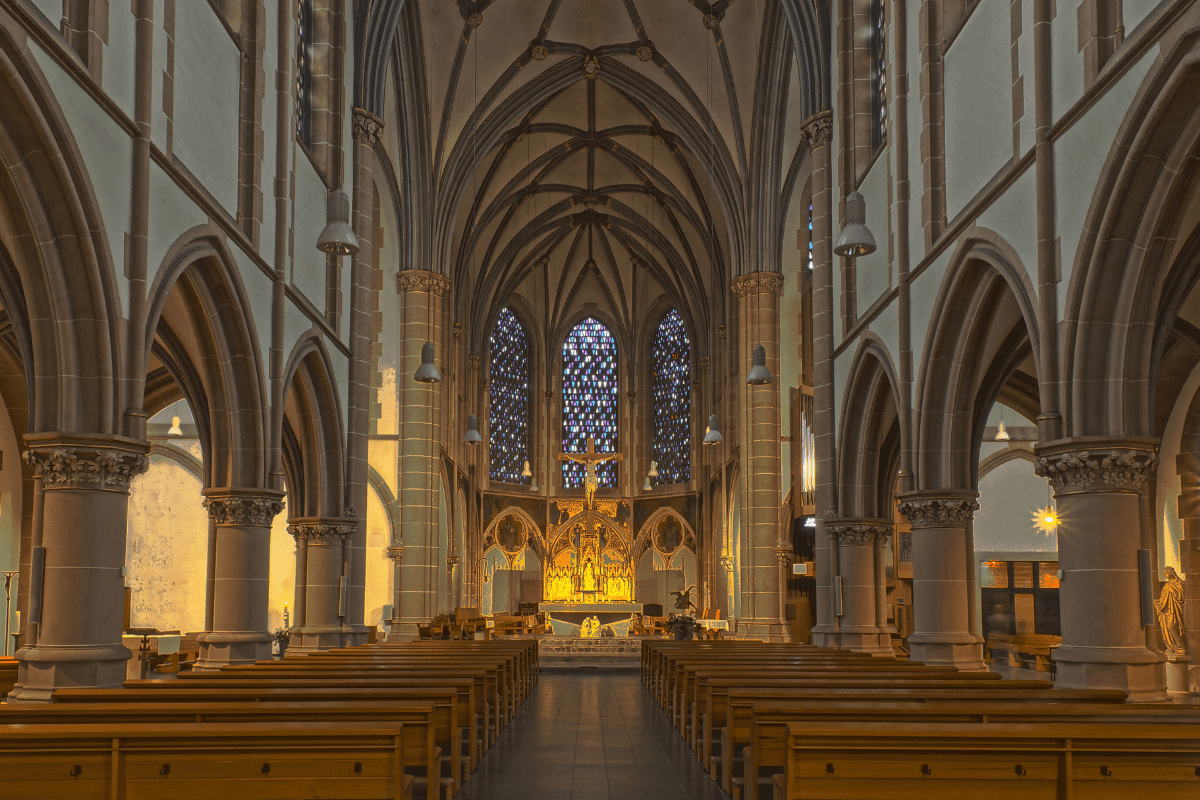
589 398
304 48
671 359
810 236
879 82
508 412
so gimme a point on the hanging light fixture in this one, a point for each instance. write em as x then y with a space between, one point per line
337 238
759 375
472 436
1001 433
855 240
428 371
712 436
175 430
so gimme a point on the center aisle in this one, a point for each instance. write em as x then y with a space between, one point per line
587 737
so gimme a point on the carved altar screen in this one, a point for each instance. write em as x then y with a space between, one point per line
672 393
589 398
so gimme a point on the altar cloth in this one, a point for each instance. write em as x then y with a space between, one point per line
566 619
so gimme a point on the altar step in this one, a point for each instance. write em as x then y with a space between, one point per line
607 654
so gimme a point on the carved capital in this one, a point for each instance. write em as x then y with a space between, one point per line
852 532
784 554
727 563
365 126
350 513
419 280
758 283
321 532
939 512
396 554
817 130
85 466
1100 469
475 361
253 511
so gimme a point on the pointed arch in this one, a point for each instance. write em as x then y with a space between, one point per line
671 399
590 398
312 412
509 406
870 434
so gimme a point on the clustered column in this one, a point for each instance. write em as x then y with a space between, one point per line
420 426
319 602
761 459
1097 495
863 625
75 640
817 132
241 573
940 556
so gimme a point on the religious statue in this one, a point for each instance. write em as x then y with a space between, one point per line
588 582
1170 614
590 628
590 458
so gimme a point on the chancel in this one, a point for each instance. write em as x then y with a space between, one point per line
623 398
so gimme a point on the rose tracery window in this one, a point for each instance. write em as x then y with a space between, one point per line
589 390
508 411
671 362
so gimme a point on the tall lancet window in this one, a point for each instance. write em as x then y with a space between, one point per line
879 76
671 360
508 412
589 398
304 71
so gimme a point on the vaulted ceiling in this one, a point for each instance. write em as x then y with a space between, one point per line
606 157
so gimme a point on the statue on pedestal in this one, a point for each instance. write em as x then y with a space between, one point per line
1170 614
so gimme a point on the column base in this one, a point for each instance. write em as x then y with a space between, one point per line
1136 671
402 631
222 648
769 630
355 635
43 669
870 642
940 650
824 636
1177 678
312 639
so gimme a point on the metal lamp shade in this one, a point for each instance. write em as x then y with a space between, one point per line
713 436
428 371
855 240
759 374
472 435
338 237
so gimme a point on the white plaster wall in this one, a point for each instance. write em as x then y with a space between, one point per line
166 549
107 154
270 122
923 294
10 514
379 574
1079 157
171 214
340 367
390 306
158 115
1013 216
52 9
259 288
119 56
886 326
207 68
916 173
873 273
1066 71
1135 12
978 96
281 584
1025 69
1008 496
308 268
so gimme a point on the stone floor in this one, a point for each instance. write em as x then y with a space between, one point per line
586 737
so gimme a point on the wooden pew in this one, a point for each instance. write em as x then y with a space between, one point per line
8 675
997 761
262 761
769 721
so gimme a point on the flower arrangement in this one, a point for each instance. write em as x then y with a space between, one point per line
682 626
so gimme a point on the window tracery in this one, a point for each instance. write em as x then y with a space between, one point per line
508 411
671 359
304 76
590 394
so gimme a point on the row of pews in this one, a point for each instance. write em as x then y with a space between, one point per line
795 721
367 722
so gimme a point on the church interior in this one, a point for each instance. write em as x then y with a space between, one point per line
600 398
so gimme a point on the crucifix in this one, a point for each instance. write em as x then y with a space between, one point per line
590 458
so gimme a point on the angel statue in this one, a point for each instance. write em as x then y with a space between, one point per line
683 599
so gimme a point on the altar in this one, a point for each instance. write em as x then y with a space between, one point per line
567 619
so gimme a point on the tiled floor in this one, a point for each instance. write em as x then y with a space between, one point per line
586 737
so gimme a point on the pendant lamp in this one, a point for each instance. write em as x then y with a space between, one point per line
338 237
428 371
759 375
855 240
472 435
712 436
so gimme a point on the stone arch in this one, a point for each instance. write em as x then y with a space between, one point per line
201 330
58 263
644 539
982 327
313 412
1135 264
870 434
533 534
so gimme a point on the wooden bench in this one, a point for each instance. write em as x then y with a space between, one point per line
1022 650
8 675
1000 761
248 760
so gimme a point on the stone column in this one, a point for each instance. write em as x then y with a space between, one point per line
396 554
1188 465
859 543
1097 484
77 640
240 632
785 555
324 542
365 128
420 438
761 457
817 132
941 627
